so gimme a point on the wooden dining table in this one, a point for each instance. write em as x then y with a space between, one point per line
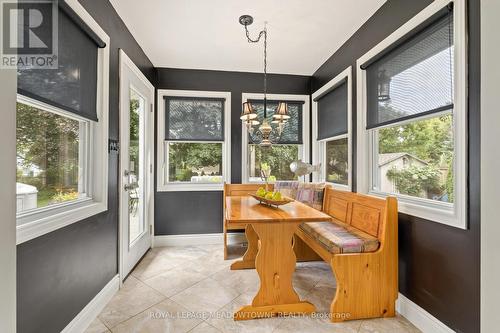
274 258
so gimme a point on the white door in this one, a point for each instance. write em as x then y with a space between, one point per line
136 164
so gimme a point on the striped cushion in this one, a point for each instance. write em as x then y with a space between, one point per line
311 194
287 188
339 239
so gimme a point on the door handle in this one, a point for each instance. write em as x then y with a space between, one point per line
128 187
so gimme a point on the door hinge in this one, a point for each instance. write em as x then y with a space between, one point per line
151 109
151 168
150 229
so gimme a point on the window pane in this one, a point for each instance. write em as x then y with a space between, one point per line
47 158
195 162
336 161
278 157
194 119
417 159
415 78
292 131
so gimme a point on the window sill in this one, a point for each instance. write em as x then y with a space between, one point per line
32 227
427 209
190 187
340 187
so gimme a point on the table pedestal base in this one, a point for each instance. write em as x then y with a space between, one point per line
275 264
248 260
267 311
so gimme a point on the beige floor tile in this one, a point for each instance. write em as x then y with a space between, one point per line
240 280
204 327
397 324
132 299
181 252
164 317
209 264
322 298
153 264
97 327
174 280
225 323
206 296
315 325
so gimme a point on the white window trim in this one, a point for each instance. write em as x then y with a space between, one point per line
318 147
453 215
303 151
163 186
36 223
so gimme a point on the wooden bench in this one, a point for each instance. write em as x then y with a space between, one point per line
367 282
239 190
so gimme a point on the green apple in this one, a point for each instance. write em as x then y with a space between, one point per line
261 192
269 195
277 196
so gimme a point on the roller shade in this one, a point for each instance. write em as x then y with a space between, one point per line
414 78
194 119
292 132
332 112
73 85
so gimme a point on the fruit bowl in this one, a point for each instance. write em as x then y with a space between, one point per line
270 202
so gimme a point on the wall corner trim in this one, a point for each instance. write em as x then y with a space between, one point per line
197 239
422 319
85 317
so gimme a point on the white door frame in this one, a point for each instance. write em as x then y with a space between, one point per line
127 63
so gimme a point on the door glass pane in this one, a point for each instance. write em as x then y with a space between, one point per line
136 166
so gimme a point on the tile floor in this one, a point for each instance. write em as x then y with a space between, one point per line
192 289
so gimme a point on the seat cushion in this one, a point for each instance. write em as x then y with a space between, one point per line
311 194
340 239
287 188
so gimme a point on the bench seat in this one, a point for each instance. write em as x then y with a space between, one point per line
336 238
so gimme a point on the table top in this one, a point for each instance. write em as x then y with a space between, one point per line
245 209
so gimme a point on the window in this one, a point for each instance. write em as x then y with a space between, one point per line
50 152
331 131
194 133
412 138
293 144
62 130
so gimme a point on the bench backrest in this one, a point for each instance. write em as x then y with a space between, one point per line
360 211
231 190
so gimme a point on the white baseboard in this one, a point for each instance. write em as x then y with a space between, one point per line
422 319
197 239
83 319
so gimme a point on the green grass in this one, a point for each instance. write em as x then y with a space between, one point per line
45 196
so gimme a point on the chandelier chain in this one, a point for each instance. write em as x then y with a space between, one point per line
262 33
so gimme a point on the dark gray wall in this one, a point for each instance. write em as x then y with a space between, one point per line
59 273
201 212
438 265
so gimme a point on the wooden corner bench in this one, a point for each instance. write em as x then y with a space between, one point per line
361 246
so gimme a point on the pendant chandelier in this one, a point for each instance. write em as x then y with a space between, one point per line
261 131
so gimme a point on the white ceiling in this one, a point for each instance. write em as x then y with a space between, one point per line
205 34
